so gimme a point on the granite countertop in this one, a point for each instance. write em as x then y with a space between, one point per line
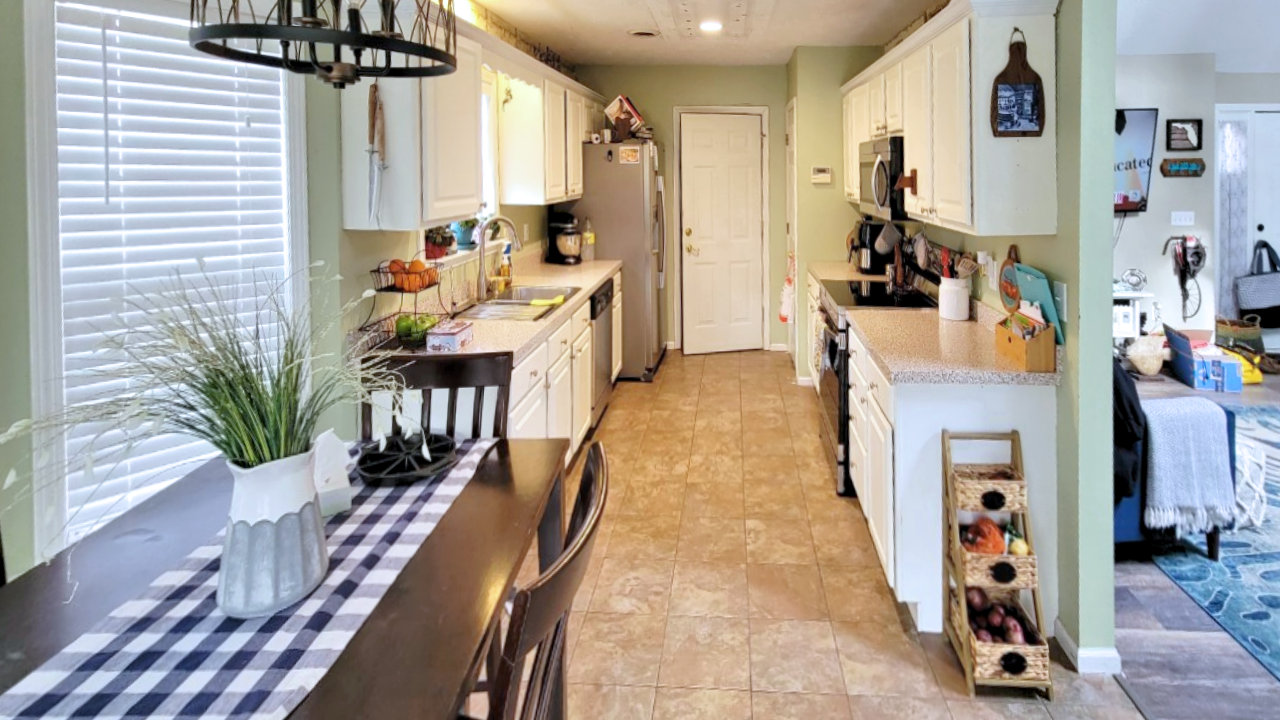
836 270
521 337
916 347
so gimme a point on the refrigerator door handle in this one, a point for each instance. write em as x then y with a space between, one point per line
662 226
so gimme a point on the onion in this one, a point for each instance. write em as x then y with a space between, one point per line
977 599
984 636
1013 631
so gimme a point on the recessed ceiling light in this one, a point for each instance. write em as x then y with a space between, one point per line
710 26
643 33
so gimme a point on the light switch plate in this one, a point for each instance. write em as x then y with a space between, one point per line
993 275
1060 299
1182 218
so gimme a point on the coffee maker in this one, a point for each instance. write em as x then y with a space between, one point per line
564 241
862 253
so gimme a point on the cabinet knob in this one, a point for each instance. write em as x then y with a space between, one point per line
873 385
533 373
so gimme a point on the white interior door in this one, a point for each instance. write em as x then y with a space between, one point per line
722 232
1264 190
791 219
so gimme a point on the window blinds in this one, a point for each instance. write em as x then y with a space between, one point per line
168 160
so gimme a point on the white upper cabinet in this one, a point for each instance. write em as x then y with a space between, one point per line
935 88
555 129
540 135
893 100
850 152
875 103
430 173
858 131
576 132
917 124
952 168
452 180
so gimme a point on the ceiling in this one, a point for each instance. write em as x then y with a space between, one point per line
756 32
1242 33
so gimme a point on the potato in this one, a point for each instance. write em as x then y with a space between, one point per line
1013 632
984 636
977 599
995 618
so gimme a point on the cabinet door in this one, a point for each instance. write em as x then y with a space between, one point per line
451 164
522 178
917 130
576 120
952 156
875 103
850 149
880 486
528 419
617 335
554 131
583 365
560 398
893 99
860 131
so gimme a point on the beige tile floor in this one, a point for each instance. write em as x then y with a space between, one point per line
731 582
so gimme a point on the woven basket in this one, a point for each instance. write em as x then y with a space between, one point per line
998 571
1001 661
977 493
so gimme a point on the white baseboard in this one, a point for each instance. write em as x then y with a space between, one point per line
778 347
806 382
671 345
1090 660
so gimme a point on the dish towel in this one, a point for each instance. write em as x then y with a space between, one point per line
1189 484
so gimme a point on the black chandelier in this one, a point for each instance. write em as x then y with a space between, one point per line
341 41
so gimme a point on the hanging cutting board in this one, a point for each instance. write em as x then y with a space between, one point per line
1009 294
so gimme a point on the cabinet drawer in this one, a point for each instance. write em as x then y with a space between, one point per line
857 353
581 318
558 343
879 389
858 417
529 373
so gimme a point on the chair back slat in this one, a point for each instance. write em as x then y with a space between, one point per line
2 573
455 393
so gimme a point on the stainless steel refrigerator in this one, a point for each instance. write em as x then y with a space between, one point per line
624 199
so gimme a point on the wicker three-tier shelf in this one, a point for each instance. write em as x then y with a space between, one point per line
998 491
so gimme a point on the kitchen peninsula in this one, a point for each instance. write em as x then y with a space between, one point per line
912 375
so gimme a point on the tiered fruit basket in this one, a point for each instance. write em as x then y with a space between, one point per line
983 590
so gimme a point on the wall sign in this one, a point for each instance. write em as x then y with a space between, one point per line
1182 167
1184 135
1017 96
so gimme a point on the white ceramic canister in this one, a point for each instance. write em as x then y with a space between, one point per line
953 298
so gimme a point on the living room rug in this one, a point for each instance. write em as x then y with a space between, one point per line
1242 591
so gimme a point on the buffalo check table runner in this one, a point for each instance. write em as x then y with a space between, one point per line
173 654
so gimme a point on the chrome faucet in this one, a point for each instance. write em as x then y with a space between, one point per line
482 234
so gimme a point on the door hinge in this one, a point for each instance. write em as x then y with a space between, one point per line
788 139
788 228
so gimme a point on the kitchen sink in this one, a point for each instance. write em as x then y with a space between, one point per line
506 311
523 295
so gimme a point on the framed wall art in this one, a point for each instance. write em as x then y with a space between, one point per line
1184 135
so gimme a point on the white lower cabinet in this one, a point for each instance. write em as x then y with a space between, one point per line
582 363
617 335
528 417
560 399
879 506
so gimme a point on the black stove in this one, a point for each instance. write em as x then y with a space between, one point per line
847 294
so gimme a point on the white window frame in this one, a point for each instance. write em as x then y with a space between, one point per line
49 498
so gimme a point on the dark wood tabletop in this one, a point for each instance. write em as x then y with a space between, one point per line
412 656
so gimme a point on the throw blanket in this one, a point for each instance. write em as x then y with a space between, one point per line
1189 484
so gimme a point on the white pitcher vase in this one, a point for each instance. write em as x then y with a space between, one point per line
274 553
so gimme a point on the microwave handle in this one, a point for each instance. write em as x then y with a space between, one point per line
875 181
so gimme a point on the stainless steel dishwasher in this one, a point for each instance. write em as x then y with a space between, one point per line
601 349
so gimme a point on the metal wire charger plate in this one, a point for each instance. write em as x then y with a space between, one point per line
401 462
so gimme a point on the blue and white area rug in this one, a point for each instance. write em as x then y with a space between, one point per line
1242 591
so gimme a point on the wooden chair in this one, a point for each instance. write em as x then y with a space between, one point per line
464 396
540 612
2 573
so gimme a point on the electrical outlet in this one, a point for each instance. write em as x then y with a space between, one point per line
993 275
1060 299
1182 218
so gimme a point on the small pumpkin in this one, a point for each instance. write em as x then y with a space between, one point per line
984 537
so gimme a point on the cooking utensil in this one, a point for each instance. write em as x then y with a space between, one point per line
946 262
966 267
920 245
1009 294
377 150
888 239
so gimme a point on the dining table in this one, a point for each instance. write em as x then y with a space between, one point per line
420 648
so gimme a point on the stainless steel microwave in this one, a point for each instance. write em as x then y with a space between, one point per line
880 164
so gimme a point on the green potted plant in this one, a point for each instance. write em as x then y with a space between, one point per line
248 383
465 231
439 241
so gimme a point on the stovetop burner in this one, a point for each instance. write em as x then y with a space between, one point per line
874 294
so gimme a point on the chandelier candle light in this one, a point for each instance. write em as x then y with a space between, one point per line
341 41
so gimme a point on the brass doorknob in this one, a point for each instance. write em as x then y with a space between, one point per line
691 249
688 232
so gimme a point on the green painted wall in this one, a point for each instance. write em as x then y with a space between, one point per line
824 217
657 90
16 516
